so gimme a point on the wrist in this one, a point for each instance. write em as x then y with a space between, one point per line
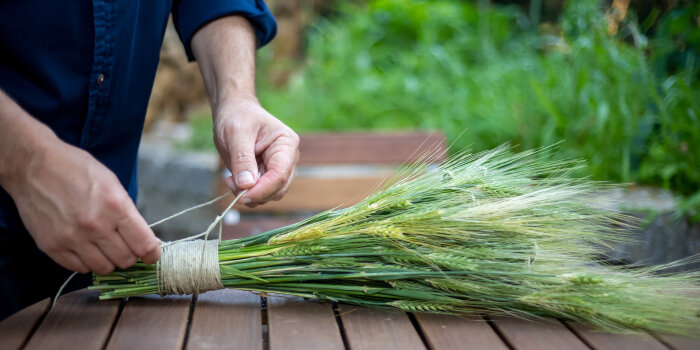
233 100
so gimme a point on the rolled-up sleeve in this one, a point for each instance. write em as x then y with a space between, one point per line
191 15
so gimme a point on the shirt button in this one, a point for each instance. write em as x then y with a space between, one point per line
100 79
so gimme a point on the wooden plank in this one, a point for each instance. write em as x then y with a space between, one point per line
226 319
680 343
15 330
249 226
297 324
317 191
378 329
152 322
604 340
452 332
371 148
314 194
537 334
79 320
317 194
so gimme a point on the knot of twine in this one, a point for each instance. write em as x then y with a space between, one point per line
189 267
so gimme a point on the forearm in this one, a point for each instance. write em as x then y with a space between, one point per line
74 208
259 149
23 139
225 50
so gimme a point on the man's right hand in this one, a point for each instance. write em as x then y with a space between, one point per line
73 206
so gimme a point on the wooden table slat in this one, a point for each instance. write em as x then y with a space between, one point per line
540 334
452 332
681 343
234 319
605 340
152 322
298 324
361 147
226 319
16 328
378 329
79 320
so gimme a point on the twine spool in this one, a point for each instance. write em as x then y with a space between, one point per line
189 267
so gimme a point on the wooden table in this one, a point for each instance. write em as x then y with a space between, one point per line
242 320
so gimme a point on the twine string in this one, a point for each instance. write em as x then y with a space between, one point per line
211 226
190 209
189 267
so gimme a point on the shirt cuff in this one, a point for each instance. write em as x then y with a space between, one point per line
191 15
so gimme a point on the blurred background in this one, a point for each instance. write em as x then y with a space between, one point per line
613 82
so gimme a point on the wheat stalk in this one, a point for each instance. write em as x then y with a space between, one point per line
490 233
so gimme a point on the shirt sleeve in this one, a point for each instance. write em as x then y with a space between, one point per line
191 15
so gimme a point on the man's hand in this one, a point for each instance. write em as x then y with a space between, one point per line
251 141
259 149
73 206
79 214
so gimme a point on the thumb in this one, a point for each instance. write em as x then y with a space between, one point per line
244 166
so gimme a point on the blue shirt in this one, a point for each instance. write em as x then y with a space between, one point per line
86 68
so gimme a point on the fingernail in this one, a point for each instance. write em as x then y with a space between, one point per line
244 178
246 200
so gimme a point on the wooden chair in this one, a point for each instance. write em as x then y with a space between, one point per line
337 170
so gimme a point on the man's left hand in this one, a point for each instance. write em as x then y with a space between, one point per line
260 150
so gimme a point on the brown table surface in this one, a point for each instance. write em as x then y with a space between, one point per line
242 320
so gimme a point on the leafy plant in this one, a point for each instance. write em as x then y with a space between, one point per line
481 75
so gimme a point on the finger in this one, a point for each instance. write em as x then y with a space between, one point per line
231 184
139 237
244 166
279 194
249 202
261 169
95 260
116 250
70 261
277 176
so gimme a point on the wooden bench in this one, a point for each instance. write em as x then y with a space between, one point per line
241 320
337 170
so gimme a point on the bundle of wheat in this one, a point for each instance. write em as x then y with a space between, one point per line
491 233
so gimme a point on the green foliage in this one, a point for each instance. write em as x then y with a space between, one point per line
676 41
200 139
482 76
674 153
674 148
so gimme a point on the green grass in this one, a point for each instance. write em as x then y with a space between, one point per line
628 105
201 138
483 77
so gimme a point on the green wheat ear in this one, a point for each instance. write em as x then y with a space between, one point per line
489 233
